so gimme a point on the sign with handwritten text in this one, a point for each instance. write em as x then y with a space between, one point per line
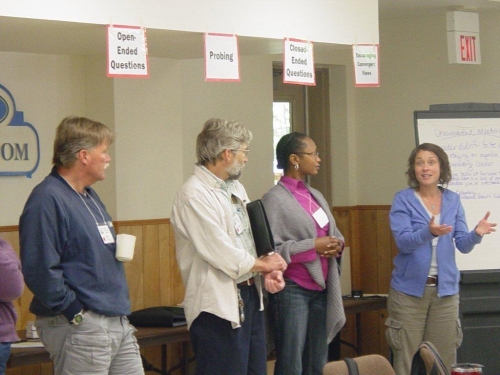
127 52
473 149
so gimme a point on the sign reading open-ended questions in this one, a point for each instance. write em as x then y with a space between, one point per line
127 52
473 148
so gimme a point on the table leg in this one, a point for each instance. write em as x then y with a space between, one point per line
164 359
185 358
358 334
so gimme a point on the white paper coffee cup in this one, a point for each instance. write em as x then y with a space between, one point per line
125 245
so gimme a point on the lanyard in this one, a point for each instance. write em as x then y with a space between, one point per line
85 203
310 200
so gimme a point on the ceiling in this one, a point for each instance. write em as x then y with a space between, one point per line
404 8
51 37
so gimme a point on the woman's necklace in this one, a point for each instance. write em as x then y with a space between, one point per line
434 205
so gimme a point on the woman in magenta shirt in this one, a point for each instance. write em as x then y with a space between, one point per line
308 312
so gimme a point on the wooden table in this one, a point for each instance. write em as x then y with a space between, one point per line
357 306
146 336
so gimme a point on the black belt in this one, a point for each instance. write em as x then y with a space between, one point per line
248 282
432 281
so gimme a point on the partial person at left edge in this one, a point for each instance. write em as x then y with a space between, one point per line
11 288
68 245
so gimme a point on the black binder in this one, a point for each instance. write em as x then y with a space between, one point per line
261 230
159 316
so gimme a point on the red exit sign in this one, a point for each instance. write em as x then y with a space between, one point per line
468 52
464 48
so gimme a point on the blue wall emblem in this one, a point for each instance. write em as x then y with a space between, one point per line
19 142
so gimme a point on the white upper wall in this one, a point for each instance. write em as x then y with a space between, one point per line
328 21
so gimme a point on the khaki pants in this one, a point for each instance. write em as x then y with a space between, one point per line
99 345
413 320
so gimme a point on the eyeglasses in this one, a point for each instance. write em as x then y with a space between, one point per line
240 149
315 153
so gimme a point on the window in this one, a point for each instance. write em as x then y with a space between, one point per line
281 125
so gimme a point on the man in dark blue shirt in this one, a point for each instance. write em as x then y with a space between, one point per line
68 247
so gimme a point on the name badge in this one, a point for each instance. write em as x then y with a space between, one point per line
320 217
238 224
106 235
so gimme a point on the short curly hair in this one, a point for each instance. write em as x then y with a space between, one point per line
444 164
218 135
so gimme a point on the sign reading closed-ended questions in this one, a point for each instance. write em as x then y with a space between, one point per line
298 62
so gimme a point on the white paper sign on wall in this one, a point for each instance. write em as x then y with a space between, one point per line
366 65
127 52
222 62
298 62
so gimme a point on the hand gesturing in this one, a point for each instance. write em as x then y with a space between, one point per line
439 229
484 226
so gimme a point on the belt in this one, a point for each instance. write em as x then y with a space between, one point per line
432 281
248 282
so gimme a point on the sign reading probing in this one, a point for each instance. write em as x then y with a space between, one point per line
222 61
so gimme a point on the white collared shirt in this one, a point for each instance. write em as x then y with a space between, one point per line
207 249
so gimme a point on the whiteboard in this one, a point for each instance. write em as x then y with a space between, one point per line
472 142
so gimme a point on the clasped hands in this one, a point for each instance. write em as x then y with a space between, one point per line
482 228
329 246
273 280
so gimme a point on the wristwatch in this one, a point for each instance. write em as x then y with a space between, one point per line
78 318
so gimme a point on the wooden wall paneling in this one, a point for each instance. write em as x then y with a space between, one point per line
374 251
135 268
172 288
346 222
342 219
384 251
356 254
166 255
151 269
175 282
384 237
368 250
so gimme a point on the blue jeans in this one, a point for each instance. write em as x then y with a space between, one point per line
223 350
299 319
4 356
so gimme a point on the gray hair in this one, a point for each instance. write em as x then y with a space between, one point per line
218 135
78 133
